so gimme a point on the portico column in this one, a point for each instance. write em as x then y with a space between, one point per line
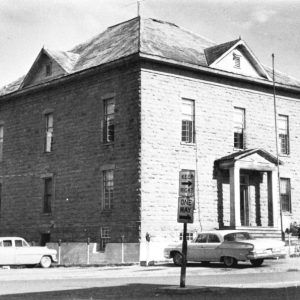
235 206
275 198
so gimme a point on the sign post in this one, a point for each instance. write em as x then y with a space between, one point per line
186 205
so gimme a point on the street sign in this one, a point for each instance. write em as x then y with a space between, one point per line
186 183
185 209
186 199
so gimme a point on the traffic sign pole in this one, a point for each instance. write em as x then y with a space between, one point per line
184 253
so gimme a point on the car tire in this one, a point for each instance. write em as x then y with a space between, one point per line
45 262
177 259
229 261
256 262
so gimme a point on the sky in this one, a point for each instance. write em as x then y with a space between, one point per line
267 26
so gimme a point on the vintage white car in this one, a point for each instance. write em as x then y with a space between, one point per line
229 247
16 251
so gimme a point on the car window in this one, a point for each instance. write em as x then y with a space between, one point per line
18 243
212 238
237 236
7 243
201 238
25 244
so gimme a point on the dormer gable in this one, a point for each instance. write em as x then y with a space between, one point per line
235 57
44 68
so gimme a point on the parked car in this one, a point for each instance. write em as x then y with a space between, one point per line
229 247
16 251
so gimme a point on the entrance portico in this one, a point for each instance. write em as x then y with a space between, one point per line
253 181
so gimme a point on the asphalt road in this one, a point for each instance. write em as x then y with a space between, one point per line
271 281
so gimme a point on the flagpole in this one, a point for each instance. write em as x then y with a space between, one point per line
277 152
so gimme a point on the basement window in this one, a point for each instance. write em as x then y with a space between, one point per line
104 237
189 236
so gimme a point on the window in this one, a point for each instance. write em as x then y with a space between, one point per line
237 60
108 189
48 69
212 238
7 243
189 236
105 237
47 195
49 132
109 120
202 238
18 243
239 128
1 142
188 121
283 132
285 194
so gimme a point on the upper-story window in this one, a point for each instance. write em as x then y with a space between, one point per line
108 189
48 69
47 195
109 120
1 142
237 60
188 121
49 132
283 134
239 128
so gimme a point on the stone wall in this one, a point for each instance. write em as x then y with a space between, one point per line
76 162
164 155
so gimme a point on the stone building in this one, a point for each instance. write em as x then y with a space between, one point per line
92 140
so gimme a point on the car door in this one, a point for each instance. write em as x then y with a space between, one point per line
196 248
7 252
211 248
24 253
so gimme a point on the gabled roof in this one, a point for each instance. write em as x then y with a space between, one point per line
217 51
235 156
153 38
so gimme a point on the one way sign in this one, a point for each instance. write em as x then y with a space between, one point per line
187 183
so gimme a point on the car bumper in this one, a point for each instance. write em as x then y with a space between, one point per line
274 255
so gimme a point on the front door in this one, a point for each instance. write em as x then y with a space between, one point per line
244 198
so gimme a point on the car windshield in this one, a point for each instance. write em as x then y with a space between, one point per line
238 236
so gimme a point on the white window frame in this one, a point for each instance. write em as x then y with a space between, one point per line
105 237
108 189
283 134
187 121
239 128
285 198
49 120
109 120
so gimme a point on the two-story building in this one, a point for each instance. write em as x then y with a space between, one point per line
92 140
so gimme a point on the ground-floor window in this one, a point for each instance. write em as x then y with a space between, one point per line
189 236
285 194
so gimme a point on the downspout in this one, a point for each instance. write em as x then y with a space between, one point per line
277 154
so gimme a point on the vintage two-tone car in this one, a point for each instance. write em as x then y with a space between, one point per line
16 251
229 247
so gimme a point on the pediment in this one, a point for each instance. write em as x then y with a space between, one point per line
236 57
252 159
39 73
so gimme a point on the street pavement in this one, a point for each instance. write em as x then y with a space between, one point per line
273 280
